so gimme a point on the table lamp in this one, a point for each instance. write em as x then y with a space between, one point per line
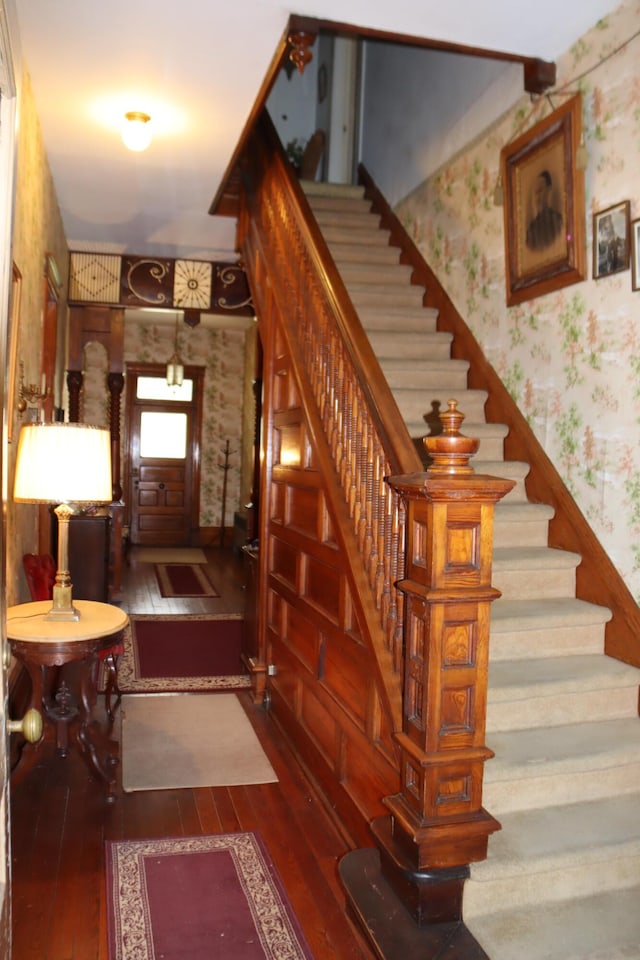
66 464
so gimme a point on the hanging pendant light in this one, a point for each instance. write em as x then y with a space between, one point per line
175 366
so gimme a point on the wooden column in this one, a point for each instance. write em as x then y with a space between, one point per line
436 824
115 383
74 386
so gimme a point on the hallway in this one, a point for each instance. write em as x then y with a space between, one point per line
60 820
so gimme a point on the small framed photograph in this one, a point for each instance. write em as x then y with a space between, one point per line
544 214
611 240
635 255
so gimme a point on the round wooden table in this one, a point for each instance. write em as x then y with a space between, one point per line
41 644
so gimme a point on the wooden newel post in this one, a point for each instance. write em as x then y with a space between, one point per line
436 824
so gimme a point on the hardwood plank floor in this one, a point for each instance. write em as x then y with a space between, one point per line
60 820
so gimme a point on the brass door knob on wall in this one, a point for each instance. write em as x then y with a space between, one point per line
30 726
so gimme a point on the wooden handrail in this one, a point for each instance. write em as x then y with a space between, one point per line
358 434
597 579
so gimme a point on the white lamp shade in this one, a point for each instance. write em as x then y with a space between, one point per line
63 463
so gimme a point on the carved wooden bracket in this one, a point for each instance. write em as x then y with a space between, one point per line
300 54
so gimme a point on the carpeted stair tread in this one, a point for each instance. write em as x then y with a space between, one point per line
549 690
427 347
348 220
399 320
512 614
521 523
534 558
318 188
514 680
348 204
414 404
552 837
566 749
363 294
344 252
601 927
421 374
374 275
343 233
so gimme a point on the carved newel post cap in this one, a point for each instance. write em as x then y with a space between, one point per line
449 451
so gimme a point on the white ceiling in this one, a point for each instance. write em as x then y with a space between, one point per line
196 66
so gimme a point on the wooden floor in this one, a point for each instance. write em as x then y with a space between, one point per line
60 821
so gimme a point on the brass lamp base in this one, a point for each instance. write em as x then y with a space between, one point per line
63 608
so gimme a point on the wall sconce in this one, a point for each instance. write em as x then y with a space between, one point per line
175 366
136 130
28 393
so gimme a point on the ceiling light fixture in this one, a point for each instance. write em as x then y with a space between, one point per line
136 130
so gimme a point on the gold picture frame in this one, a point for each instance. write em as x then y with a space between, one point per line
544 215
12 344
635 255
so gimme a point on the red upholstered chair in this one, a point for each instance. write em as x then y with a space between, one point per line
40 571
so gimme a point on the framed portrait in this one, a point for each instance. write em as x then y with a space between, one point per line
12 341
544 216
635 255
611 240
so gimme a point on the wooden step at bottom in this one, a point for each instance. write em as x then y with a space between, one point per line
556 627
541 856
565 764
602 927
552 691
535 572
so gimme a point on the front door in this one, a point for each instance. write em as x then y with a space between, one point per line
163 438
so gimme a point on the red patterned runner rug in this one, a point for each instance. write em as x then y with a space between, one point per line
184 580
182 654
194 898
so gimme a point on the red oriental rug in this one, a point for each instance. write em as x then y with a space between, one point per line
184 580
182 654
194 898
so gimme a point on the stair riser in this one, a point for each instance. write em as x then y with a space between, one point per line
369 253
350 221
356 236
414 404
582 707
532 793
343 205
430 350
402 324
582 880
530 584
491 448
425 379
534 534
402 297
558 642
396 275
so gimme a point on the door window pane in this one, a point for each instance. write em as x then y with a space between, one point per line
163 435
156 388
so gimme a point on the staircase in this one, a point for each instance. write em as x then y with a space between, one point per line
562 878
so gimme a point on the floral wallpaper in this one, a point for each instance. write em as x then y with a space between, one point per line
222 353
570 359
37 232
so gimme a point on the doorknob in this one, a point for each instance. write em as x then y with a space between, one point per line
161 486
30 725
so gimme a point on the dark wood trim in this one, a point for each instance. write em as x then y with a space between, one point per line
538 75
597 579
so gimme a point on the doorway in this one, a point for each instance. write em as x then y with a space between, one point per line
162 456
